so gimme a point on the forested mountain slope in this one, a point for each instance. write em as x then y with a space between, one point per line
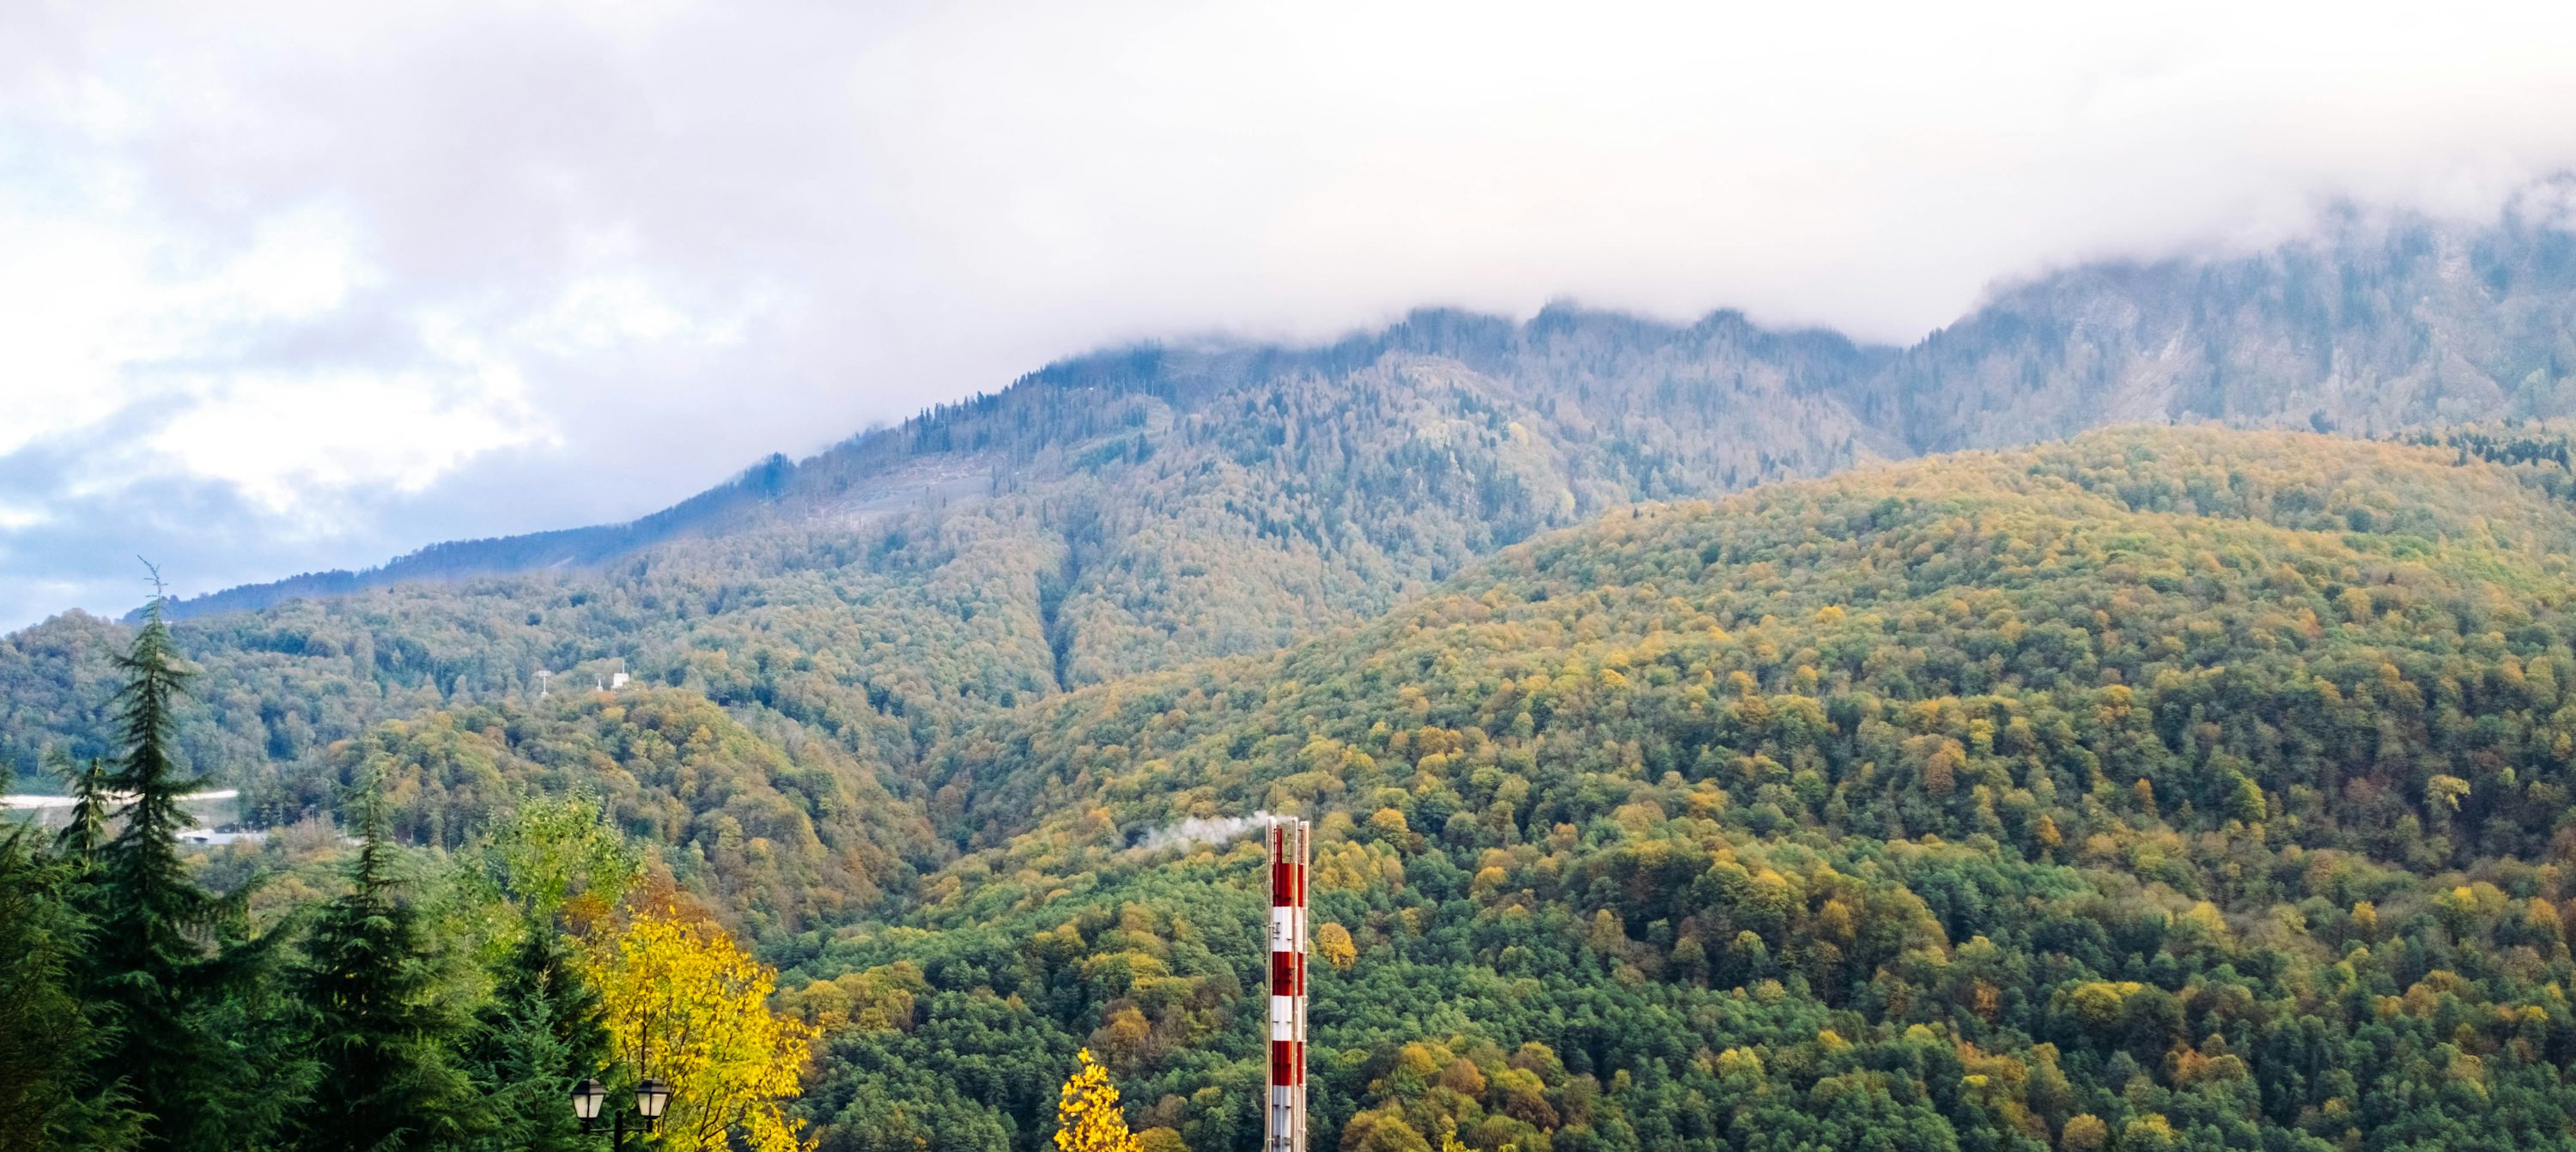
2159 789
2162 788
1609 407
1133 514
1139 509
2372 324
778 831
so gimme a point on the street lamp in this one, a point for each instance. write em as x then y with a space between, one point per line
587 1096
651 1097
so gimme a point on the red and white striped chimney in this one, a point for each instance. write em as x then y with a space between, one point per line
1286 1111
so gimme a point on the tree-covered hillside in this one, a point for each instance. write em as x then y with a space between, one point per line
297 994
778 832
2372 327
2159 789
2162 788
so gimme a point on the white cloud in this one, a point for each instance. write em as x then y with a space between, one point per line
602 312
292 443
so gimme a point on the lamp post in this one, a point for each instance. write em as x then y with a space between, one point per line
651 1097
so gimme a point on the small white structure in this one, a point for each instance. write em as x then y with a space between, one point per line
543 675
616 680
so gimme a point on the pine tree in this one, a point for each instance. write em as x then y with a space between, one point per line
1087 1115
379 1031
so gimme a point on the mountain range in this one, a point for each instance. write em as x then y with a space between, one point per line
1139 508
2372 325
1717 737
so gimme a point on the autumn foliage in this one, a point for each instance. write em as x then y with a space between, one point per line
1087 1115
684 1003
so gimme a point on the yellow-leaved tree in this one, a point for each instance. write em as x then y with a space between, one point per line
1087 1115
684 1003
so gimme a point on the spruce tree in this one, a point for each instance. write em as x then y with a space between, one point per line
379 1030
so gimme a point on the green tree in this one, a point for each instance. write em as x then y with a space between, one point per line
539 1035
47 1099
92 807
173 979
380 1028
543 1031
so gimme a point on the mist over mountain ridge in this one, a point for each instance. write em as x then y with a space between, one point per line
1142 508
2371 326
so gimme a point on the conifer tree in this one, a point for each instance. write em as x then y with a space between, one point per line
543 1030
379 1030
92 805
539 1035
148 972
76 853
46 1100
178 988
35 1067
1087 1115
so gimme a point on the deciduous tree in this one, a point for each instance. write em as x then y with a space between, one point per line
1087 1115
687 1005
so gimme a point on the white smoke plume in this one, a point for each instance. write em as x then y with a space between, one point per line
1198 830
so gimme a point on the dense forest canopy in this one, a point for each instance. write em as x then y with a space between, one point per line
2156 789
2159 788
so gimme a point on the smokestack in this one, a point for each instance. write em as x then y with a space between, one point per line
1286 1115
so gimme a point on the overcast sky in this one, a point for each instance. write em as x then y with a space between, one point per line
295 286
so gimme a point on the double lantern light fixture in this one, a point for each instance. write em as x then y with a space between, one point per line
651 1097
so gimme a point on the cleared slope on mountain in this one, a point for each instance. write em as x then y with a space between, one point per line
2160 789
